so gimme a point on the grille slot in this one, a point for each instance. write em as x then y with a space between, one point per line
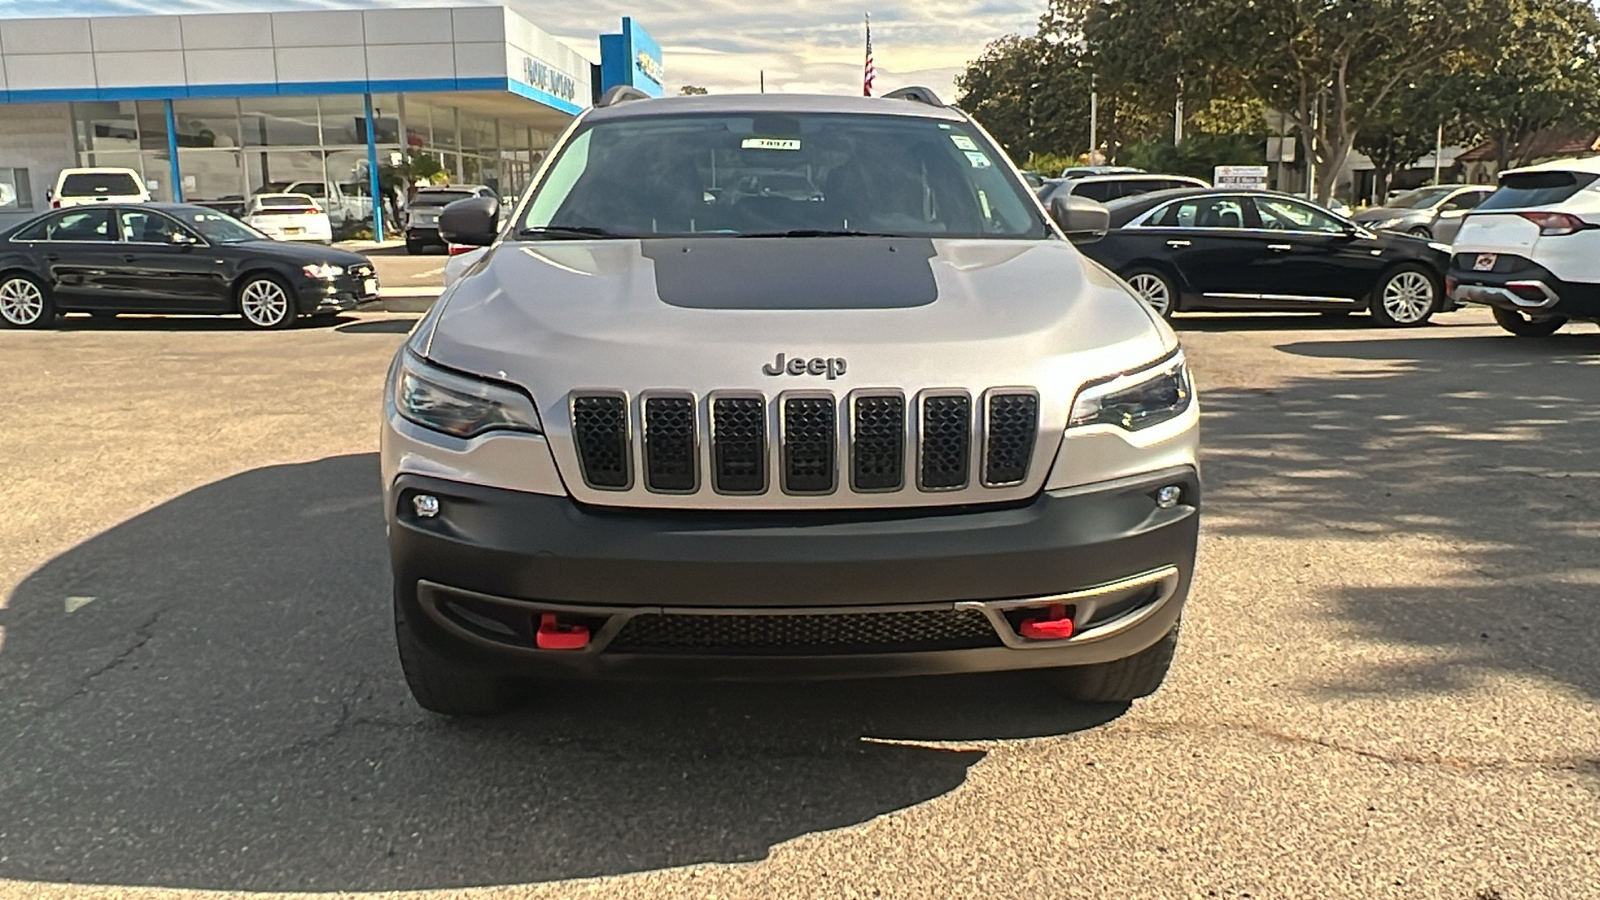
1012 421
669 445
739 445
878 443
809 443
801 634
600 431
946 442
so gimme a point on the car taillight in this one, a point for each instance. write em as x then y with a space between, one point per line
1552 223
458 249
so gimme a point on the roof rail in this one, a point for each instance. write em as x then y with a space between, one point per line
622 93
915 95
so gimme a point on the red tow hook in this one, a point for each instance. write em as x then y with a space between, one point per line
1057 626
554 636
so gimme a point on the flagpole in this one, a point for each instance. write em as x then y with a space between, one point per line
868 70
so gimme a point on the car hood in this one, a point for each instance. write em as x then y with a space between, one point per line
714 314
1379 213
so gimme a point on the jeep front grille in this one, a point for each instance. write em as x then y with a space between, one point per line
806 634
1012 423
882 436
600 430
946 442
739 445
809 440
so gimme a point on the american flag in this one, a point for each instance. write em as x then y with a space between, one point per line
871 72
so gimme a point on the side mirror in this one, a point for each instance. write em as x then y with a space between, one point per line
474 222
1083 220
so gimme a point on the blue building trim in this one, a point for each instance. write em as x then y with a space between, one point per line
173 171
294 89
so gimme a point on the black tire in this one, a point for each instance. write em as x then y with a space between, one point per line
25 302
1407 308
1119 681
1421 232
413 248
1524 325
1148 283
253 295
444 687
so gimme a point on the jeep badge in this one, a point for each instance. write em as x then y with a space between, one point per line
832 367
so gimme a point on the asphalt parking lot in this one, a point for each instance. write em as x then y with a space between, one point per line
1387 687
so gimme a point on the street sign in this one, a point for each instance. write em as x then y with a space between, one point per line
1252 178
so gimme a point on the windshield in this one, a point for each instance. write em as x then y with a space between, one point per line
440 198
1420 199
216 227
91 184
790 174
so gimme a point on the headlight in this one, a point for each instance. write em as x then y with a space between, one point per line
323 271
1136 400
459 404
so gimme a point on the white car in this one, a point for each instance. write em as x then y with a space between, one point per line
288 217
77 187
1532 250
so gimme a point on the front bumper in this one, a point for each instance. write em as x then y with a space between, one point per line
337 295
782 587
1526 287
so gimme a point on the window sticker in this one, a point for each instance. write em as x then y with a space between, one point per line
756 143
963 142
978 160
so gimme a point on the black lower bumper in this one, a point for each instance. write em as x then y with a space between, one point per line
424 236
492 557
1526 287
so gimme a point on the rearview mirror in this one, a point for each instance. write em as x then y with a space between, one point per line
474 222
1082 219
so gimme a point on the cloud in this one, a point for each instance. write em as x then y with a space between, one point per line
723 45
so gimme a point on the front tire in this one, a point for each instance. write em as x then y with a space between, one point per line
266 302
1524 325
1122 680
413 248
444 687
1421 232
1156 289
1407 297
25 302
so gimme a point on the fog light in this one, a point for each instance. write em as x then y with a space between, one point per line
426 505
1168 497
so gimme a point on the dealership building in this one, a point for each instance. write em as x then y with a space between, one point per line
214 107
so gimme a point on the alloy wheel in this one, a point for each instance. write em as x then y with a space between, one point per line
1408 297
1154 290
21 301
264 303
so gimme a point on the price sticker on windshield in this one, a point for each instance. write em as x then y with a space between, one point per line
978 160
756 143
963 142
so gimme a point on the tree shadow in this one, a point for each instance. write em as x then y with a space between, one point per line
206 696
1483 446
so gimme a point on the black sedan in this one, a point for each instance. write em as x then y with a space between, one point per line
169 258
1229 250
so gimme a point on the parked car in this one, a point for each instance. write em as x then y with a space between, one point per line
422 215
1219 250
343 204
1085 171
661 428
76 187
288 217
1531 251
169 258
1107 187
1430 212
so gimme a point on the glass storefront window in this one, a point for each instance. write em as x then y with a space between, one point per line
207 123
152 115
344 119
105 127
279 121
211 175
444 127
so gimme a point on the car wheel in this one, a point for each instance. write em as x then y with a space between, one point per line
1119 681
444 687
1155 289
25 302
1522 324
1421 232
265 302
413 248
1406 297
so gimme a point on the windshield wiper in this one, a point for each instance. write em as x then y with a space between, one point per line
818 232
575 231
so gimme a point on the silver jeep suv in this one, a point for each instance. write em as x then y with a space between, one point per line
785 386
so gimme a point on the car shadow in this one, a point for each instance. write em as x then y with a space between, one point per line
1215 322
380 326
1480 447
152 322
207 696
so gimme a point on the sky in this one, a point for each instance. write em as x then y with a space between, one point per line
722 45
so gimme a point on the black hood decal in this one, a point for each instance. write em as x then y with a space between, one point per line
794 273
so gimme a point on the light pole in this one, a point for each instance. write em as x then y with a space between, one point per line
1033 91
1094 119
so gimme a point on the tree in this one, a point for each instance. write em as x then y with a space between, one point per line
1032 96
690 90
